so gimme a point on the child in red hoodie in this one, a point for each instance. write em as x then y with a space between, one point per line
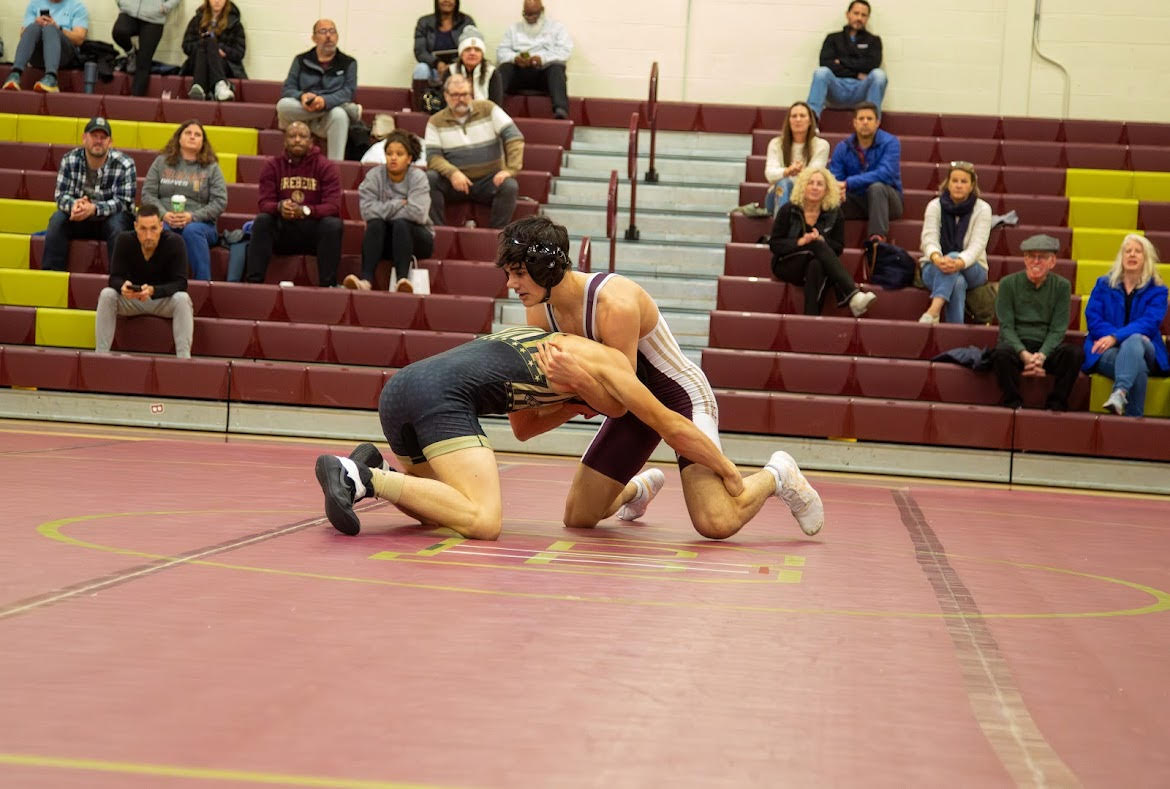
300 208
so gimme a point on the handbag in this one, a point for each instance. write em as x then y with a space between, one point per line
888 265
419 278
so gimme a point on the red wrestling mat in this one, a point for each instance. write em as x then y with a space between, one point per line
173 607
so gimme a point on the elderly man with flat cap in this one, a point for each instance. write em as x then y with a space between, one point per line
1033 310
94 195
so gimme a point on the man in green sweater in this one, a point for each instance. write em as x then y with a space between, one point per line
1033 311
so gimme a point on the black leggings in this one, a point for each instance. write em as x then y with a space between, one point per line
149 34
815 266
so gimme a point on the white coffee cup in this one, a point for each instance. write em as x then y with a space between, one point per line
178 203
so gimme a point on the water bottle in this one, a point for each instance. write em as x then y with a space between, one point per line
91 75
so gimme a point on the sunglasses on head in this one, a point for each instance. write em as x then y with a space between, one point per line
961 165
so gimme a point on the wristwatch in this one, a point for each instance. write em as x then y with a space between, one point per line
305 210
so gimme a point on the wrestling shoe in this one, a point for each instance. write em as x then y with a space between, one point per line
649 482
343 482
368 455
795 491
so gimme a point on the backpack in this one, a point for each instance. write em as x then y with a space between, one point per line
889 265
980 304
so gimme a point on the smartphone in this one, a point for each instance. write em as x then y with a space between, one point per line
45 12
134 287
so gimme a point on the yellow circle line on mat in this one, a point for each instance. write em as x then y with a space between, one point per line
53 530
201 773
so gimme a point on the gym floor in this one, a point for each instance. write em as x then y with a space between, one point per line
175 611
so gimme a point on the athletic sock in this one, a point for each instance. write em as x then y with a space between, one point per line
776 475
357 478
387 484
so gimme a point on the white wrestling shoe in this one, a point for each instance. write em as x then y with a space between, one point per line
649 482
795 491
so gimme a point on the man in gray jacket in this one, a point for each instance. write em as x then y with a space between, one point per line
319 90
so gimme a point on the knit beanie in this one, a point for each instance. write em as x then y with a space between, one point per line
471 37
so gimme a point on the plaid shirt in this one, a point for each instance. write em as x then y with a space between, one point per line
116 182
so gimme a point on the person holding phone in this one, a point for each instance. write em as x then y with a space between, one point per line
148 276
214 43
145 19
532 56
51 35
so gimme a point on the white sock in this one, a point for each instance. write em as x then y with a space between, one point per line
352 471
640 490
775 474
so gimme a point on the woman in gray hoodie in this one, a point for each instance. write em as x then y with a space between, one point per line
142 18
188 169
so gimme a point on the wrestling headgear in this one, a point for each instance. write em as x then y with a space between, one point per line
546 264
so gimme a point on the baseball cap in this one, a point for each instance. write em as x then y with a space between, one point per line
99 124
1041 242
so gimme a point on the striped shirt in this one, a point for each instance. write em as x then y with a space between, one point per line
113 191
485 143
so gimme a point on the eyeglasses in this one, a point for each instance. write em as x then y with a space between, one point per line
326 31
531 14
463 94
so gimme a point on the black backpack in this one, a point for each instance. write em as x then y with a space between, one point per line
889 265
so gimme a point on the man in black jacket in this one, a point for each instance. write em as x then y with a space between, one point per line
319 90
850 60
148 276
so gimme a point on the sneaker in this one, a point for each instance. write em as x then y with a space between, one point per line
795 491
13 81
131 64
859 302
47 84
196 92
404 286
223 91
343 482
927 318
649 482
1116 402
366 454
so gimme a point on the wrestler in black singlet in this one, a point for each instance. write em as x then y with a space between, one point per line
430 407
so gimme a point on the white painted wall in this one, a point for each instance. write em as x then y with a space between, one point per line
942 55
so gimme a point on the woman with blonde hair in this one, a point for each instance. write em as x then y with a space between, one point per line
797 147
808 235
1124 317
955 230
189 189
214 44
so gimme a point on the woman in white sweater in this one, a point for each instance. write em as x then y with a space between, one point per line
797 147
954 244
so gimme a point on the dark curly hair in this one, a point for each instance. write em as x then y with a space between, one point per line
406 140
516 238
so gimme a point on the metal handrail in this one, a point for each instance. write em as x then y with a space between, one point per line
632 173
652 114
611 216
585 256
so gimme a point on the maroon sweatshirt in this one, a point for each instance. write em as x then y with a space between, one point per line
313 181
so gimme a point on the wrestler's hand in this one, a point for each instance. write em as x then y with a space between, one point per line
560 368
582 409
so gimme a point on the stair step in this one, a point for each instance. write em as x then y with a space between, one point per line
695 144
690 171
653 227
693 199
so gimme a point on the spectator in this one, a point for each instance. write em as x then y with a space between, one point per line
868 165
300 208
808 237
483 76
955 230
215 45
145 19
849 71
1033 311
148 276
94 195
797 147
1124 318
395 202
473 151
436 39
532 56
188 188
319 90
51 35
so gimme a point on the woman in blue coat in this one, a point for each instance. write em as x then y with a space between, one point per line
1124 317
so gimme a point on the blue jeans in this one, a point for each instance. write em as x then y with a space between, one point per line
1129 365
778 194
845 91
62 230
423 71
199 238
952 288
